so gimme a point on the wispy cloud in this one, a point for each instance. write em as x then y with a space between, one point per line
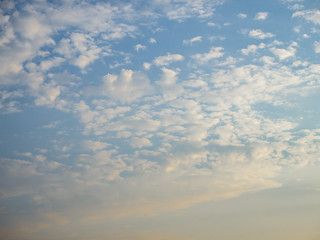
310 15
242 15
192 40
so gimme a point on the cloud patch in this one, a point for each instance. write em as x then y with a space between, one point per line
261 16
259 34
126 87
168 59
202 58
316 47
309 15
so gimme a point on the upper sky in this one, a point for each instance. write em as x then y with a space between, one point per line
160 119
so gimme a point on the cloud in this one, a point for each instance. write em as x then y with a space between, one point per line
95 145
23 177
215 52
47 94
198 134
46 65
259 34
252 48
309 15
296 7
7 35
186 9
140 142
36 24
211 24
7 104
290 1
169 86
80 49
152 40
192 40
128 86
282 53
242 15
316 47
261 16
168 59
139 47
146 65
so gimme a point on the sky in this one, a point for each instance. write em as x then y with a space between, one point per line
160 120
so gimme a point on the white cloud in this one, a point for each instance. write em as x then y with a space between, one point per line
282 53
297 29
291 1
211 24
139 47
261 16
186 9
94 18
168 59
300 63
35 25
140 142
7 104
230 61
252 48
147 66
259 34
50 63
200 132
202 58
316 47
296 7
95 145
310 15
40 158
192 40
242 15
101 165
152 40
47 94
7 34
126 87
169 86
80 49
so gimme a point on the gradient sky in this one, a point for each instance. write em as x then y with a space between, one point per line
160 120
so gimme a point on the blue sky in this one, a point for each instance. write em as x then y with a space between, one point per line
172 119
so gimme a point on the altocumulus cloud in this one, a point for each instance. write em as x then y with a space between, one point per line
118 111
